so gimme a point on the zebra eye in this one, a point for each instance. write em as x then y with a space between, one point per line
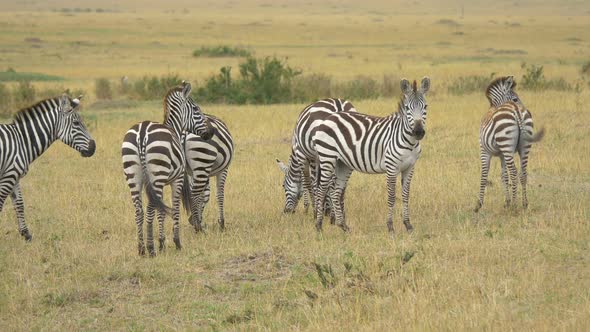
76 123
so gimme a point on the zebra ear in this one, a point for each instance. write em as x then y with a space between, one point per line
405 86
76 101
510 82
425 85
282 166
186 89
64 103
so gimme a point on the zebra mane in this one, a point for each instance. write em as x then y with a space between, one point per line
415 86
171 91
19 116
497 83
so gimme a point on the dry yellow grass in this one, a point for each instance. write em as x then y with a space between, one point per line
499 269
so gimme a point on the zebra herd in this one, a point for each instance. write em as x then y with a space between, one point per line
330 141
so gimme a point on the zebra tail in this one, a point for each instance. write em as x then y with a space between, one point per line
152 195
186 193
536 137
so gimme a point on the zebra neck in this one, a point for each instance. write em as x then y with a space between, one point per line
402 129
36 134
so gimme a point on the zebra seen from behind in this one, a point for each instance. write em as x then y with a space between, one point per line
349 141
301 168
506 129
31 132
153 156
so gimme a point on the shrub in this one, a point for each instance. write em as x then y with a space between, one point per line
469 84
312 87
221 51
23 94
262 81
361 87
102 89
586 68
153 88
534 79
5 100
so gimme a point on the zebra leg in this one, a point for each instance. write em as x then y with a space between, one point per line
513 175
176 194
19 207
200 182
339 182
524 160
151 211
220 182
485 167
505 182
139 222
391 181
406 180
161 235
306 188
324 177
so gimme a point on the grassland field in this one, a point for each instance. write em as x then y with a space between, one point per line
497 270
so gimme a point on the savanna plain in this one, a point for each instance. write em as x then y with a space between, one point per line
499 269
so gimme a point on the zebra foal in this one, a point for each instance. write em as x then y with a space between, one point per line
506 129
31 132
348 141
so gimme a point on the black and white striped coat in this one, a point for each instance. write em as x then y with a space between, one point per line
30 134
346 141
300 169
506 129
153 156
209 152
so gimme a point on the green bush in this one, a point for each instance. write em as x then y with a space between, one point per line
102 89
23 94
5 100
311 87
469 84
151 88
262 81
361 87
221 51
534 79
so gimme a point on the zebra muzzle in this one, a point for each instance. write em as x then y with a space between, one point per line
90 151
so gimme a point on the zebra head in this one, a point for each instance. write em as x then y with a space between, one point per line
501 90
413 106
293 189
183 114
71 130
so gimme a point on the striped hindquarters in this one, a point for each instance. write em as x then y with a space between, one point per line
151 156
312 116
216 153
505 128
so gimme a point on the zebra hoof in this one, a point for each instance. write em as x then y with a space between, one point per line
141 250
222 225
162 247
177 243
344 228
318 227
152 253
409 228
28 237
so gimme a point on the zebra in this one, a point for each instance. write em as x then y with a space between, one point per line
300 169
353 141
206 159
31 132
506 129
153 156
207 154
